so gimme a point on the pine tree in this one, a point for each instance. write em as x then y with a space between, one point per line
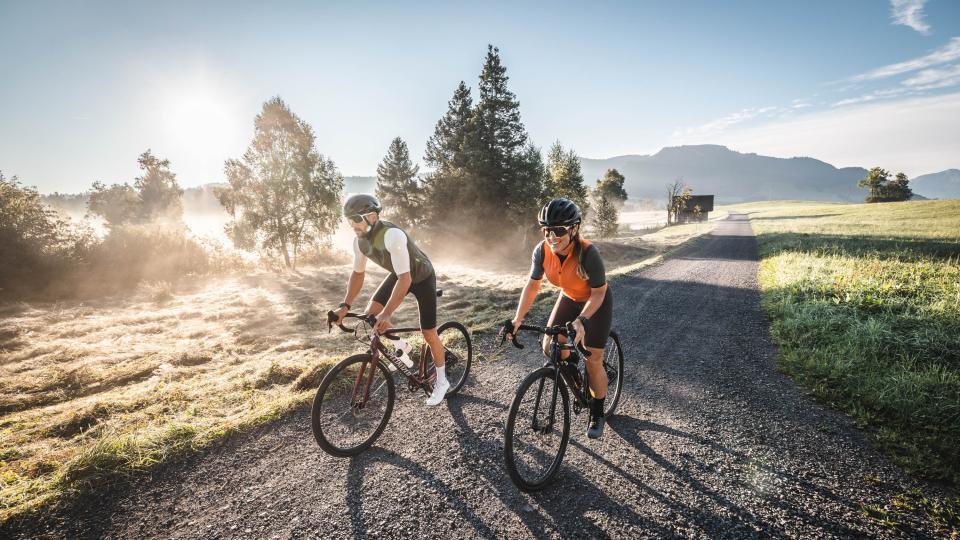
397 186
502 163
565 177
605 217
445 148
612 186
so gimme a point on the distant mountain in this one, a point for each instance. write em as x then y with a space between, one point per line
359 184
941 185
730 176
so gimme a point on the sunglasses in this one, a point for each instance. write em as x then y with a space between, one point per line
356 218
557 231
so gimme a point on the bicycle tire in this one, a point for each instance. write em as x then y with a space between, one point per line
327 392
538 483
456 330
613 399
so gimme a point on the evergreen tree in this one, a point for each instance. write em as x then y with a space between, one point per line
445 148
605 217
443 196
502 163
483 164
397 186
565 177
612 186
283 194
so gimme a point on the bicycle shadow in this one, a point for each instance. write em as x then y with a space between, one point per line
553 512
798 490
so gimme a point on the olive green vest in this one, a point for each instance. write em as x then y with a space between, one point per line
373 246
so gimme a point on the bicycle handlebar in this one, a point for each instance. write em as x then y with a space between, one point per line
558 330
332 318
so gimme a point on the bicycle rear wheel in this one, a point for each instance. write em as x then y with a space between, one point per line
342 427
458 354
535 440
613 366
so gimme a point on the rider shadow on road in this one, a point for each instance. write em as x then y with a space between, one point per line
787 496
558 513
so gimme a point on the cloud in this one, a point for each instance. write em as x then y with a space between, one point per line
909 13
720 124
872 96
947 53
929 79
916 135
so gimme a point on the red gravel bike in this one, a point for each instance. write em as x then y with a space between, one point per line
355 398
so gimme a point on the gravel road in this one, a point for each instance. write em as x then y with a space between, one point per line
709 441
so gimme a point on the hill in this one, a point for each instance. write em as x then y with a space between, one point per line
731 176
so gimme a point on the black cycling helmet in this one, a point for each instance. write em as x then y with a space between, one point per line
360 204
559 212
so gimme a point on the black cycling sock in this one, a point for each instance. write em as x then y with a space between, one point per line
598 406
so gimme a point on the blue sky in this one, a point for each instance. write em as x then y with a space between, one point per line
88 86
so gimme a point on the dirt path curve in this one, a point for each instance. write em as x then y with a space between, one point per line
710 441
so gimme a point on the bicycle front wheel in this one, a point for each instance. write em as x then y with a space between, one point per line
613 366
343 425
538 429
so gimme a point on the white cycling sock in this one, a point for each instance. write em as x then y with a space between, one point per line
441 376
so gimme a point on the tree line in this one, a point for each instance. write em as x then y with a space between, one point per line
486 182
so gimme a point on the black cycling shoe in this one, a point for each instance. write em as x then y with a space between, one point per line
595 431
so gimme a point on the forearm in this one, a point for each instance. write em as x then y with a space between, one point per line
594 302
399 291
353 287
527 297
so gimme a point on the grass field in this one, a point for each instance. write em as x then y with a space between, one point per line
91 392
865 304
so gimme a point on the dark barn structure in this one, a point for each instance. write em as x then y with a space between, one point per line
696 208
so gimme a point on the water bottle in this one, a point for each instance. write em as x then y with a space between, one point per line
403 352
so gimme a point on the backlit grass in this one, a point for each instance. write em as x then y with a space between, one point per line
865 303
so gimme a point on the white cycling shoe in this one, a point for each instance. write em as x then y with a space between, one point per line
439 392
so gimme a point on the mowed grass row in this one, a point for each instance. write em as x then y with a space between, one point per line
865 304
92 392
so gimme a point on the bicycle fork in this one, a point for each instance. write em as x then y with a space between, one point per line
545 430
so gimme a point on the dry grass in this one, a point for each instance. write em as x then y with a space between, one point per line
93 391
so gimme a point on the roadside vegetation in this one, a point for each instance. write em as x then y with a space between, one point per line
865 304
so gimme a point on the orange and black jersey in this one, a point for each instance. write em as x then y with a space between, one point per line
562 270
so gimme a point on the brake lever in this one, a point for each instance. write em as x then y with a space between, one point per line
572 334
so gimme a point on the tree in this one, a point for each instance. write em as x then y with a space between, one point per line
612 186
154 196
397 186
282 193
882 189
504 166
483 163
605 215
678 194
565 177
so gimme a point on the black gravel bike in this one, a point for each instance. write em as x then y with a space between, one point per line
355 398
538 425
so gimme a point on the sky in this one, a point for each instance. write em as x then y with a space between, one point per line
88 86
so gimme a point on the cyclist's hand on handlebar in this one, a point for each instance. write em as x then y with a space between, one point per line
579 332
383 323
509 330
340 313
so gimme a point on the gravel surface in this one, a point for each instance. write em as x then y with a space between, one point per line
709 441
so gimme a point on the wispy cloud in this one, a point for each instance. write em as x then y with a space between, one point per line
909 13
872 96
720 124
947 53
930 79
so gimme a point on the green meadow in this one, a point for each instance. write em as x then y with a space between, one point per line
865 307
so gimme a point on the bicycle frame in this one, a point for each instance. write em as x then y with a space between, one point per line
420 379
